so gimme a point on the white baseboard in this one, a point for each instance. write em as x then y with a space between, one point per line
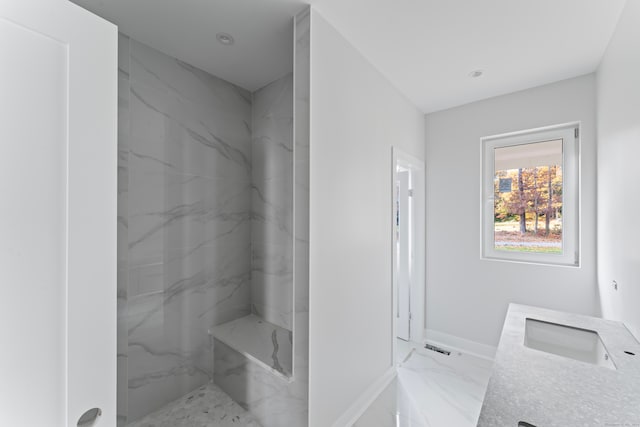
452 342
355 411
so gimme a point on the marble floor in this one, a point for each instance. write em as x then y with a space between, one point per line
207 406
431 390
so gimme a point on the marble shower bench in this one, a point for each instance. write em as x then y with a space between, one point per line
266 344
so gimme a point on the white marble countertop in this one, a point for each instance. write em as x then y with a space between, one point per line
546 390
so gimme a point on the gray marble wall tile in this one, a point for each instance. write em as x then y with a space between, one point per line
148 117
272 208
274 401
160 374
122 230
302 86
184 225
165 347
146 176
214 113
123 56
161 70
124 146
185 252
272 283
301 164
228 299
272 203
123 213
123 183
272 138
202 146
122 391
145 279
207 225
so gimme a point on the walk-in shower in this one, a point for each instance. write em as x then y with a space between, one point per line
207 241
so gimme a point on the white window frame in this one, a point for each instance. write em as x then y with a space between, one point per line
570 135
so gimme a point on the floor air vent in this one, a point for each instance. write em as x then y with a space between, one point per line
438 349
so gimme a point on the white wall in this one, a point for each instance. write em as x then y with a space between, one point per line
468 297
356 117
618 82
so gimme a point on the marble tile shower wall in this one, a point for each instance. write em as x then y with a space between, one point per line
272 203
123 220
185 215
276 402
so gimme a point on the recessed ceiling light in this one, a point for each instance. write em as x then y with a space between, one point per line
225 39
476 73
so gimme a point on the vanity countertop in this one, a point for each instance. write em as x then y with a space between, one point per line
546 390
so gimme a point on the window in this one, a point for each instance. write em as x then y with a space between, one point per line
530 189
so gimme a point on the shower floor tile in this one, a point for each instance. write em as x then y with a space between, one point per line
207 406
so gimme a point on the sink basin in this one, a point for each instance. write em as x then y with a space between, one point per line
566 341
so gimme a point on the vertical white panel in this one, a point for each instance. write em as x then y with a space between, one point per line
356 117
33 150
618 93
93 154
58 221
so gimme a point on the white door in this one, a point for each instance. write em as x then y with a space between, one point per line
58 109
403 252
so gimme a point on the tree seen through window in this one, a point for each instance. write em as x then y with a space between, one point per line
528 209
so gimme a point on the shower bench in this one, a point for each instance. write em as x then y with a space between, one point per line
266 344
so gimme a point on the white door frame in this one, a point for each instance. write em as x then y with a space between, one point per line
58 142
417 288
403 246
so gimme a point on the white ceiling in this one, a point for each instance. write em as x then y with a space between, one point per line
426 48
186 29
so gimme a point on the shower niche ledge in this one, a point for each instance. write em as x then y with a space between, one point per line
268 345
